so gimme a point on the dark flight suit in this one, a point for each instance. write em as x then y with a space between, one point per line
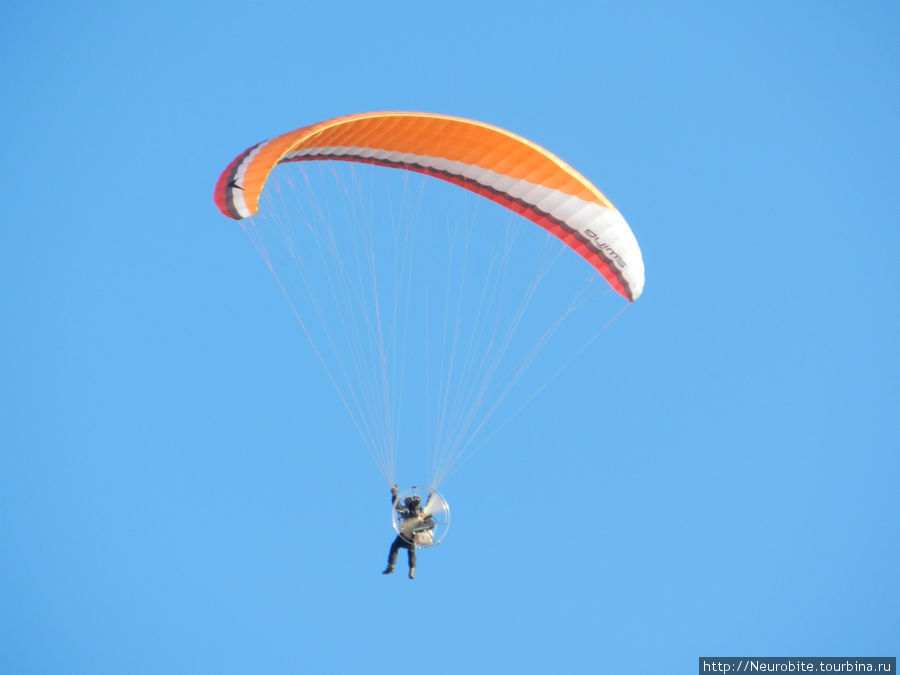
406 514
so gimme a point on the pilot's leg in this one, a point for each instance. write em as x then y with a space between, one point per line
411 556
392 556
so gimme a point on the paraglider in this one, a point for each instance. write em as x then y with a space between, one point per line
367 321
416 526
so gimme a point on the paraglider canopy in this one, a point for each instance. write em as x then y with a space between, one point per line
429 526
490 161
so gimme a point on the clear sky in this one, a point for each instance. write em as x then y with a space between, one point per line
180 489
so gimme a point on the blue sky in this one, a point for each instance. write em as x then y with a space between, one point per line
181 491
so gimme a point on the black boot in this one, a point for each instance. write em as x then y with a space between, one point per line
389 570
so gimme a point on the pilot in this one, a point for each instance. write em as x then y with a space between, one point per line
412 521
